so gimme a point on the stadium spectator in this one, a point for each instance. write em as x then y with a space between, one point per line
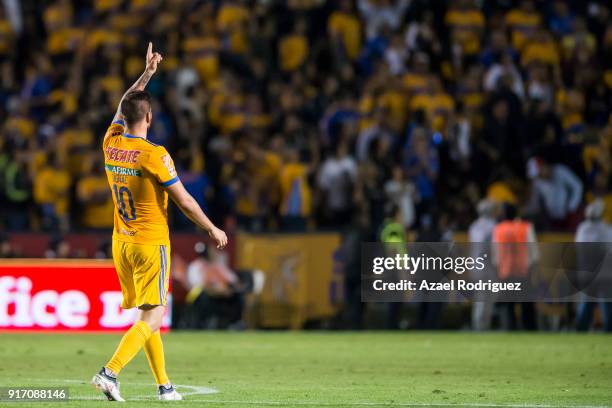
51 193
421 35
17 190
295 192
379 15
293 49
421 164
195 283
601 190
393 233
336 179
523 23
591 259
466 23
561 20
452 91
480 234
501 139
214 290
431 229
190 165
515 254
345 29
254 94
504 68
556 192
95 197
460 143
378 131
350 255
402 194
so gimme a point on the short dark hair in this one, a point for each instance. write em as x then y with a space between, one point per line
135 106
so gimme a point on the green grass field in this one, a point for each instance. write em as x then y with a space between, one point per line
329 369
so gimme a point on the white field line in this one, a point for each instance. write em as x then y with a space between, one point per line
186 390
194 389
201 390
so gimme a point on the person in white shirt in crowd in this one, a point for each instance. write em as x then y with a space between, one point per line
396 55
500 69
380 14
336 179
402 193
593 238
480 234
556 192
539 85
420 34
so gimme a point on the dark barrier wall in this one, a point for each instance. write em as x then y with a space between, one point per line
86 245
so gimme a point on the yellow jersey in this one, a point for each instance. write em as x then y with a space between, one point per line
137 171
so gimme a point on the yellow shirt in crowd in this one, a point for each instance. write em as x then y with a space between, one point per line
466 26
348 28
522 25
52 187
501 192
415 83
204 52
437 107
544 52
293 51
97 214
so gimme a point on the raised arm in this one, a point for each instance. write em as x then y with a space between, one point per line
151 61
192 210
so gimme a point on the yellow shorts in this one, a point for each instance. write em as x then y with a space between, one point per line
144 272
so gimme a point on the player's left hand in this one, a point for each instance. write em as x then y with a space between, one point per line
219 237
153 58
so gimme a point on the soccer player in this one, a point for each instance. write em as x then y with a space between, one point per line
141 175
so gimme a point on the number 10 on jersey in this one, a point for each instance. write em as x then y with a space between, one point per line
128 214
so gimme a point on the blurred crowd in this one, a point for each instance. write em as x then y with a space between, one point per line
301 114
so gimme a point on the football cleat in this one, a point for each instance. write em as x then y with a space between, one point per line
169 393
109 386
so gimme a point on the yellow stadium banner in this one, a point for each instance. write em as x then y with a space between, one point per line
302 280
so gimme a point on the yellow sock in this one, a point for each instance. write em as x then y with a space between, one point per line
154 349
129 346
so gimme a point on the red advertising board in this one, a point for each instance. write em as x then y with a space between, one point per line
62 295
